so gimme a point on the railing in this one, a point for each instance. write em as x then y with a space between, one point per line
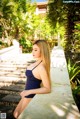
5 50
9 52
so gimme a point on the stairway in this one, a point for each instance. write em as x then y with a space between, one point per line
12 81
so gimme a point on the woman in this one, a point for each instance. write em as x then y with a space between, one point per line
37 73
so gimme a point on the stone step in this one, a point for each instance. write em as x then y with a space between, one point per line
11 82
10 95
11 68
12 71
17 72
14 61
15 88
8 110
12 88
11 64
8 69
11 100
20 75
14 65
18 62
11 79
7 92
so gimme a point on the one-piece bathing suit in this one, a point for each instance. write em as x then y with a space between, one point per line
32 82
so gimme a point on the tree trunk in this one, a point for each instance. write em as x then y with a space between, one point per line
16 32
70 32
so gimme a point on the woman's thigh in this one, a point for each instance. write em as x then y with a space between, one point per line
25 101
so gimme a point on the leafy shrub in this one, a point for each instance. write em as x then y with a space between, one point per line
73 70
74 74
26 45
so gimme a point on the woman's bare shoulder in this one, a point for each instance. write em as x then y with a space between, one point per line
41 67
42 72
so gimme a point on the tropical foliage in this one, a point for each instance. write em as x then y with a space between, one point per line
74 75
73 70
19 21
68 16
16 18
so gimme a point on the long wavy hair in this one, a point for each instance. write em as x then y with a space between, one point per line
45 54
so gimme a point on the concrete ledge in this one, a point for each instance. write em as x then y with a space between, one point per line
5 50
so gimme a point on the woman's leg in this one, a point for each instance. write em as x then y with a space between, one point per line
21 106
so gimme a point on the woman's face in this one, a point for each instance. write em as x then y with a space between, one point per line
36 51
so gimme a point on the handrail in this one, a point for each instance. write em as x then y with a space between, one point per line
5 50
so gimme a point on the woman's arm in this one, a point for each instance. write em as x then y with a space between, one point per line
46 88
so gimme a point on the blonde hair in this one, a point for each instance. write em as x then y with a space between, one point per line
45 54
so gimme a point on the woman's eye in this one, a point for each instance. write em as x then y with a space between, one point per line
34 50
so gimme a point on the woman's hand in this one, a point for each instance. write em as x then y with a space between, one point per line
24 93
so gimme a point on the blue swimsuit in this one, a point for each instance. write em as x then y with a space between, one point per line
32 82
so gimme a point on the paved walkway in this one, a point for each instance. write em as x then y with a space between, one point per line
59 104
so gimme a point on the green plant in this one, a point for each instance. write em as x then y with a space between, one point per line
26 45
74 74
73 70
